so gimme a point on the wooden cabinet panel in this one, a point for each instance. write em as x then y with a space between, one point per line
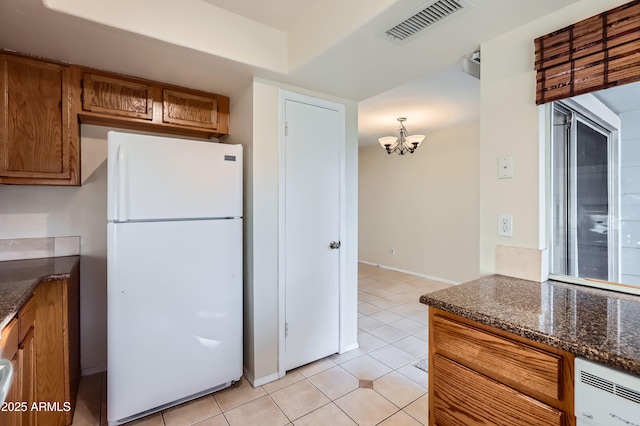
10 350
50 382
109 99
9 342
57 347
26 317
187 109
118 97
479 366
38 144
520 366
26 355
464 397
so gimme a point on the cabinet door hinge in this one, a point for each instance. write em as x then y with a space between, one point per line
286 128
286 329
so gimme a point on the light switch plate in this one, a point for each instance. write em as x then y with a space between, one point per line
505 167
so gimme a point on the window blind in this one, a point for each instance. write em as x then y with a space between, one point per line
593 54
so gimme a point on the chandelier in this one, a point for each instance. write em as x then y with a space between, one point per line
405 144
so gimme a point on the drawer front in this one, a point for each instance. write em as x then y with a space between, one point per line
463 397
520 366
9 341
27 317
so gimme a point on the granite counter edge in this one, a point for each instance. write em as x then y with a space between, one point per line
12 311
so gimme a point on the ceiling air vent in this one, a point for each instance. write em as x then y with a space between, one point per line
430 14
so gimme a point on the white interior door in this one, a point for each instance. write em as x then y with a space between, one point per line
314 141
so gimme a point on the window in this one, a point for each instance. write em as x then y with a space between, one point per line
595 188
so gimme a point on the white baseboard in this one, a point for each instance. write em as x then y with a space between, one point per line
260 381
418 274
349 348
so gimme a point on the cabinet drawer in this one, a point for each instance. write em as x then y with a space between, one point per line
463 397
107 95
187 109
520 366
26 317
9 341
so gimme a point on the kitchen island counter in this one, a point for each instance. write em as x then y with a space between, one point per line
19 278
600 325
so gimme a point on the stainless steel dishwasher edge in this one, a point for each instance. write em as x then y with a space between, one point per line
605 396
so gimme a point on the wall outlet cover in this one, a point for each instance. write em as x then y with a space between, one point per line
505 225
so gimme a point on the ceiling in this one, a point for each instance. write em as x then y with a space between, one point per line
329 46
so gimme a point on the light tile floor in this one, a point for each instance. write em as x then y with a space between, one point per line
376 384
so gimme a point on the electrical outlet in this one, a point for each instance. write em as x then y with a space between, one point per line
392 251
505 225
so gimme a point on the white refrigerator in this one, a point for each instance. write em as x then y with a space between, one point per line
174 271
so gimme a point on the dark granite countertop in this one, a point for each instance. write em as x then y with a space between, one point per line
600 325
18 279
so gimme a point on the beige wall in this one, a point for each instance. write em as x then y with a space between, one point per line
424 206
512 124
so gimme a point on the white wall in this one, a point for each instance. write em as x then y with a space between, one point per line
423 205
41 211
262 215
512 124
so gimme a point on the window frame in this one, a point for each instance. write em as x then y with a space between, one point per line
584 106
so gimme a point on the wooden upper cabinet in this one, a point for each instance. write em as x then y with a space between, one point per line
189 110
109 99
114 96
38 136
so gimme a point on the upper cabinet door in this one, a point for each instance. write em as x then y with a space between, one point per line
38 143
187 109
113 96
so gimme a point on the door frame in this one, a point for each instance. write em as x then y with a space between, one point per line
285 96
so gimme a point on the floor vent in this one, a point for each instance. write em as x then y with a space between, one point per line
430 14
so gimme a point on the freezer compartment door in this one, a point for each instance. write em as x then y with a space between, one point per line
156 178
174 305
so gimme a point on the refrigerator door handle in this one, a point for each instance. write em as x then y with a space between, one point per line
121 195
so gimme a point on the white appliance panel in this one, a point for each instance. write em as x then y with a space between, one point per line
156 178
175 311
605 396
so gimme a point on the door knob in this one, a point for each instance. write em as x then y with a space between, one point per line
334 244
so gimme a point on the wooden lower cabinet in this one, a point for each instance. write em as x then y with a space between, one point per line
465 397
479 375
26 357
10 416
43 342
18 345
57 344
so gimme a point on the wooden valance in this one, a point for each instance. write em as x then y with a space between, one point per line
593 54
